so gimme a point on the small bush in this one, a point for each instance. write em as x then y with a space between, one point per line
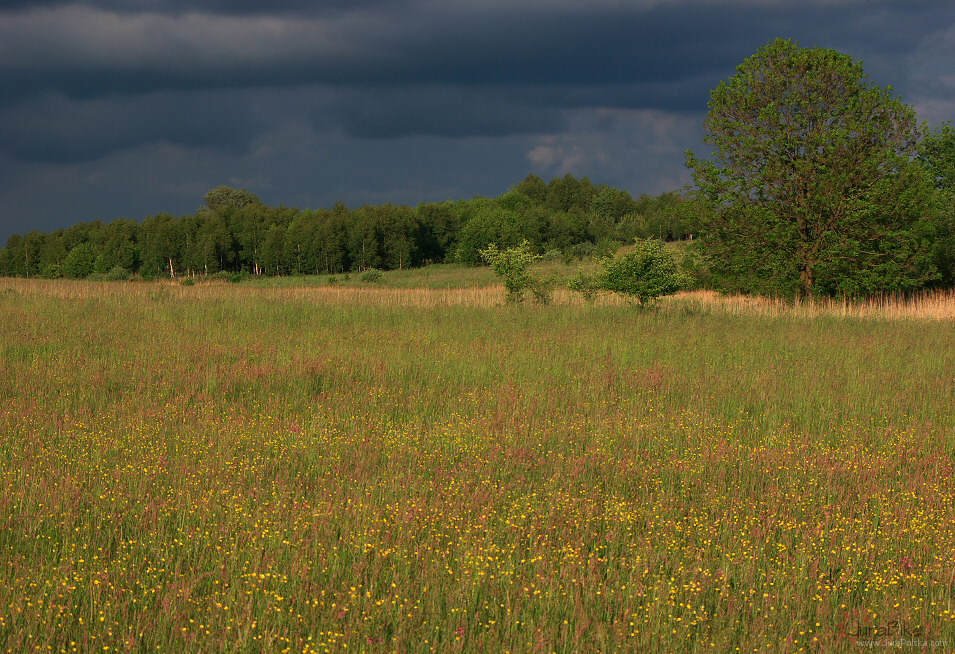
333 279
579 251
187 281
646 273
372 275
511 265
52 271
605 247
117 274
542 289
586 284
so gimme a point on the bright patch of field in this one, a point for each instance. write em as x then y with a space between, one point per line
226 468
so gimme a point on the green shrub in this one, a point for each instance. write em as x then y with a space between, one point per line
187 281
116 274
605 247
511 265
646 273
578 251
372 275
52 271
542 289
586 284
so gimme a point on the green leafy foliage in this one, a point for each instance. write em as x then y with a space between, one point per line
226 197
645 273
512 266
52 270
937 155
234 231
813 190
542 289
79 263
485 222
585 283
116 274
371 276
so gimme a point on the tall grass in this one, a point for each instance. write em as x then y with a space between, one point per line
930 305
449 284
228 468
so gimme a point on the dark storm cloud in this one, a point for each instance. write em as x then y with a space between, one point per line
555 83
449 112
233 7
398 68
82 50
54 128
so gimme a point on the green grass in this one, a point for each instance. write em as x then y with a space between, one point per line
231 468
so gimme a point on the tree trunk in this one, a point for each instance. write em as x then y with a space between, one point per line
807 277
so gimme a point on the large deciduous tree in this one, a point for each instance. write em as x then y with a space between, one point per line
813 190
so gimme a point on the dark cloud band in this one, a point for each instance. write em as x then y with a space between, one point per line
92 82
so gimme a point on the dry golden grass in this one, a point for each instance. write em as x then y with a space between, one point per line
931 305
339 295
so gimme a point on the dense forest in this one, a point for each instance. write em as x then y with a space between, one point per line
234 232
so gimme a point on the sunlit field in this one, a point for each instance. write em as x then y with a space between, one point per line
416 467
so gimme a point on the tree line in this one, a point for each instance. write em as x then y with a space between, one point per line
822 183
235 232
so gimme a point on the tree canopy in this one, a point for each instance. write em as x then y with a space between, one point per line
813 190
223 197
234 231
937 155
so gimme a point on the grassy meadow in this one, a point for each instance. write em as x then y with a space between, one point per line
413 467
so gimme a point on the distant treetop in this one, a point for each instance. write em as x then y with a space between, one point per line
222 197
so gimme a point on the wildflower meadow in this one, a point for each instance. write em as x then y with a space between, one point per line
233 468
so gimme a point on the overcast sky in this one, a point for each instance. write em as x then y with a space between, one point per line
126 108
